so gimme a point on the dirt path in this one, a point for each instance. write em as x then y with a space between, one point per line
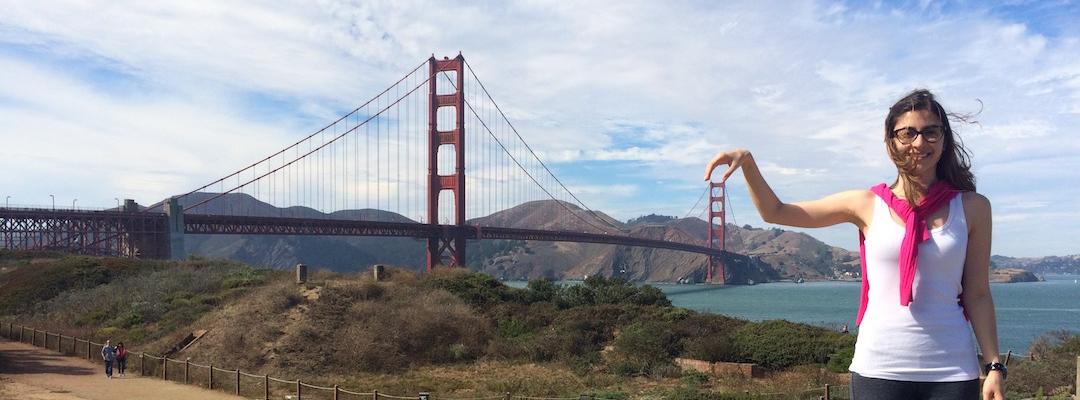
33 373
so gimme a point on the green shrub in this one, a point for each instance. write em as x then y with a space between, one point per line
511 328
841 360
1051 366
781 344
691 393
610 395
241 278
694 378
541 290
30 285
478 290
642 348
597 290
707 337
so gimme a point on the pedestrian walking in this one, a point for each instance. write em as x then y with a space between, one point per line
121 357
108 353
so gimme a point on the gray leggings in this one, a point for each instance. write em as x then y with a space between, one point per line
863 388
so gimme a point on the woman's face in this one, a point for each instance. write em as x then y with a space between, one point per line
927 138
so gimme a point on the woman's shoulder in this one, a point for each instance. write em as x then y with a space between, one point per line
861 197
975 201
976 207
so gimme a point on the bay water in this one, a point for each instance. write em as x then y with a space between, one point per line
1024 310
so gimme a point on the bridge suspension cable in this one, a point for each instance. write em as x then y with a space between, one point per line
296 145
315 176
509 151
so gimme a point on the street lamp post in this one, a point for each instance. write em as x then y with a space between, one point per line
53 201
73 203
117 203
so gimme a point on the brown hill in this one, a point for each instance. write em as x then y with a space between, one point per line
774 254
771 253
333 252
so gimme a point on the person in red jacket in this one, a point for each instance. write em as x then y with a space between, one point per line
121 357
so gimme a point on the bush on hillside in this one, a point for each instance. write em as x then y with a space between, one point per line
707 336
484 291
1051 367
644 348
353 326
598 290
32 284
139 303
478 290
781 344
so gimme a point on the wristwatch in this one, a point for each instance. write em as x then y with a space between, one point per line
996 366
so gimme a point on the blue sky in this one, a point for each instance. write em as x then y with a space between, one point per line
626 100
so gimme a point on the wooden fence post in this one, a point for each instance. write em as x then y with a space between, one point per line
164 368
335 392
210 373
1078 377
375 395
827 392
266 387
238 381
187 369
142 363
20 334
88 350
298 389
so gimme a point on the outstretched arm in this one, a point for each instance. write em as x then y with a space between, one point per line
851 206
976 289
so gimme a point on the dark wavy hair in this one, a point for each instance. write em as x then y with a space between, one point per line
954 166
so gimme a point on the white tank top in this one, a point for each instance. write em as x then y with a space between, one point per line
929 340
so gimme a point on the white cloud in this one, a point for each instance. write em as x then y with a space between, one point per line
160 95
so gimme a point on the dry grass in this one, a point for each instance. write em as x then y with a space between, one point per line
399 336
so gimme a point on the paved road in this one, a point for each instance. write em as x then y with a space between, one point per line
33 373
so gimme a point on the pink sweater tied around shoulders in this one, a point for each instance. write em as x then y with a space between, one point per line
915 232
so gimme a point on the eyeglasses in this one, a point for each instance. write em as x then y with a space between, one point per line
930 134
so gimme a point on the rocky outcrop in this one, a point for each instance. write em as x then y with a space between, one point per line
1011 275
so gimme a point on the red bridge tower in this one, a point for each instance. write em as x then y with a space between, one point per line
717 193
449 247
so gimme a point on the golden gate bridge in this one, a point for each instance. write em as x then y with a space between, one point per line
393 166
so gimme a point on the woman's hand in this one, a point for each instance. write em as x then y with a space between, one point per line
993 387
732 158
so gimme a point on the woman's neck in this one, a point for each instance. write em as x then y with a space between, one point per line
900 188
924 181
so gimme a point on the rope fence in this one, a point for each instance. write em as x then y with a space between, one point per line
266 387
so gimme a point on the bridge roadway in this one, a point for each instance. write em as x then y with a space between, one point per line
221 224
93 232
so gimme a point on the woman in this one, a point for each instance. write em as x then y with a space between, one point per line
926 256
121 357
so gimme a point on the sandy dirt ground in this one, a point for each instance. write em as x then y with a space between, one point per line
33 373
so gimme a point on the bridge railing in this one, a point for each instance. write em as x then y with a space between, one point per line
38 207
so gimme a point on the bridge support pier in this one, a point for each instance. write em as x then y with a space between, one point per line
449 247
716 272
175 232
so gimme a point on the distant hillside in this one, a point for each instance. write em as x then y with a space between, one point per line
333 252
770 254
1040 265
